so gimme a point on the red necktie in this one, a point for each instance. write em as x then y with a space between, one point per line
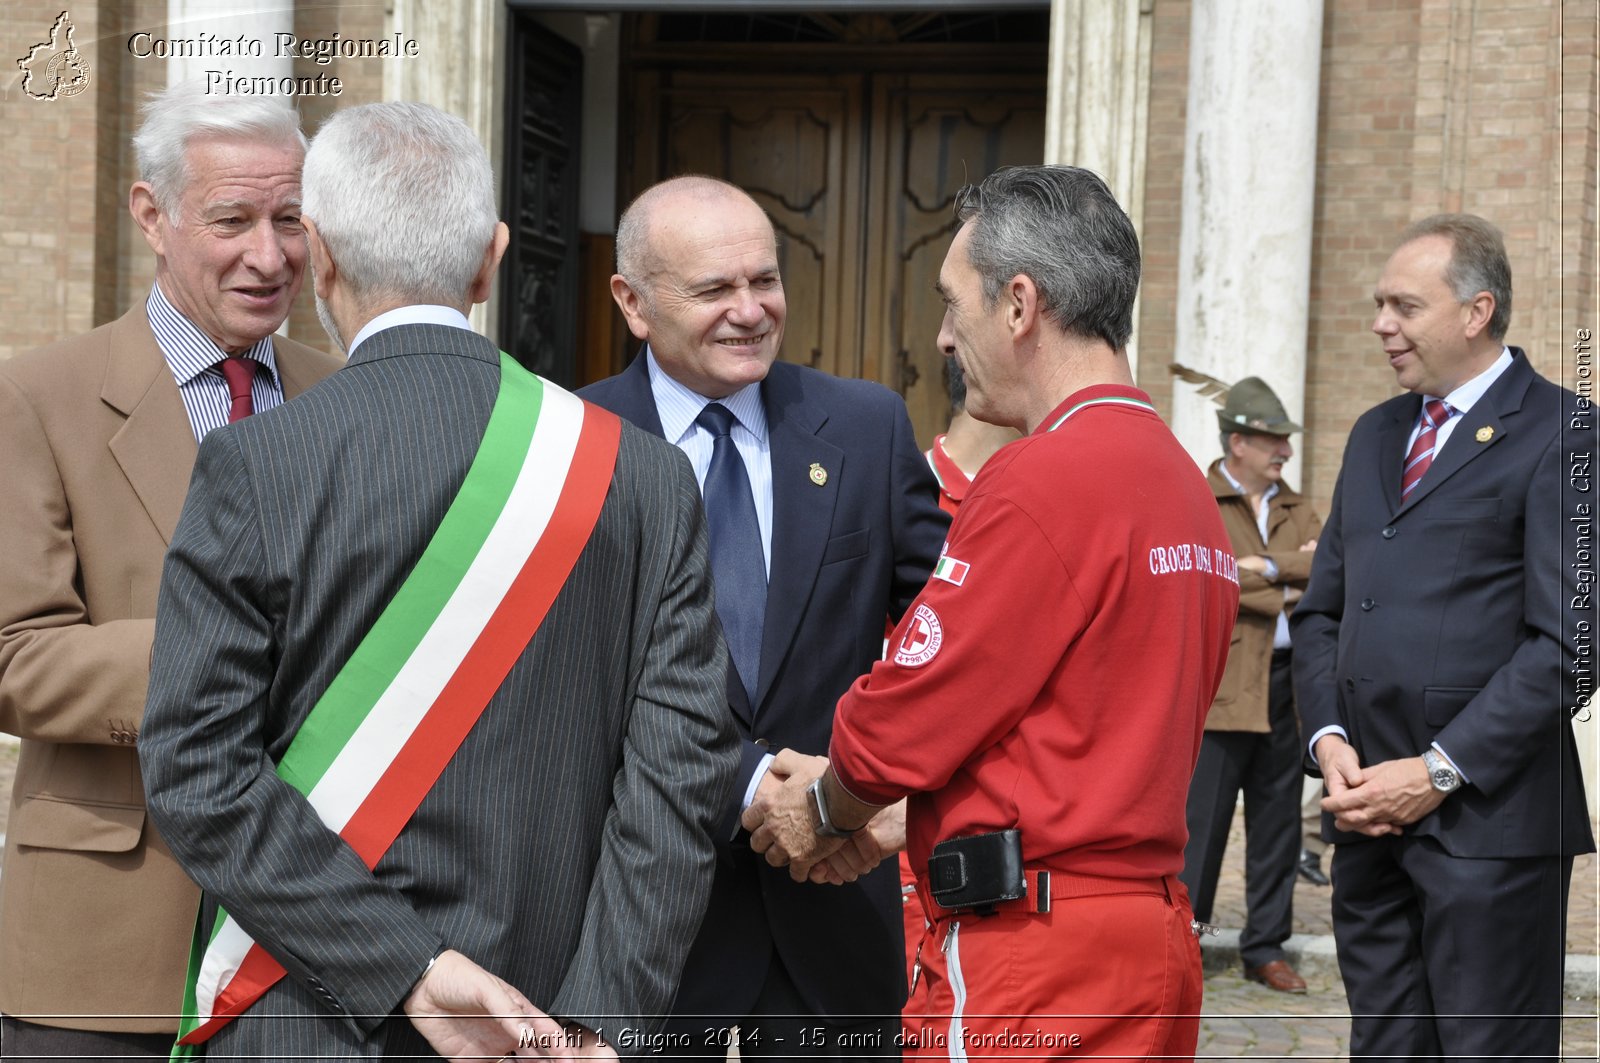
1435 412
241 372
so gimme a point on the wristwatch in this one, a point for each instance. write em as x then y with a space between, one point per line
1443 777
825 827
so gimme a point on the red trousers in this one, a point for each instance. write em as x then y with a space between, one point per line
1102 975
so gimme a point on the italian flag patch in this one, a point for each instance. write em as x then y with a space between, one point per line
950 570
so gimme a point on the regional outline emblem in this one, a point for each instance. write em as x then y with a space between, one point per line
65 71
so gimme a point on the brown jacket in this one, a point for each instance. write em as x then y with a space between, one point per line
95 455
1241 701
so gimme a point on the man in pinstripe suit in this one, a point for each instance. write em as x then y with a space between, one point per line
548 883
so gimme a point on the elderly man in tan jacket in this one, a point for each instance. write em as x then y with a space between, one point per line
1252 738
98 434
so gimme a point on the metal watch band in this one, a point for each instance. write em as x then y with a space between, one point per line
1441 776
825 826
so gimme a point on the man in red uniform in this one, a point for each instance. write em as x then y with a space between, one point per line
1052 678
955 457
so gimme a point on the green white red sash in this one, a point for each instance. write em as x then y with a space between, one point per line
379 737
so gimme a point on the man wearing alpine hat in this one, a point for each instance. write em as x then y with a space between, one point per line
1252 738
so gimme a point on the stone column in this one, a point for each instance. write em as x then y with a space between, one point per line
459 68
257 27
1099 96
1249 173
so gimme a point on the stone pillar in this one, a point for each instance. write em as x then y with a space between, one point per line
459 68
257 27
1099 97
1249 173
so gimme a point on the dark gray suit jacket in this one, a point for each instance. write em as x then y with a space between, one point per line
567 845
1454 617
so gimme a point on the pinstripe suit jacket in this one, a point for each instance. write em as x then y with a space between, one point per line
566 846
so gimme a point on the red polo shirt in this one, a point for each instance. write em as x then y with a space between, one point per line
1055 673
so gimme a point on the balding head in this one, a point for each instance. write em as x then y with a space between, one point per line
697 278
638 258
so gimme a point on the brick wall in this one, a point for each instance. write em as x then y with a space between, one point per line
1425 106
50 172
1163 199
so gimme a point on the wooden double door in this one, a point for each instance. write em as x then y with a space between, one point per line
858 171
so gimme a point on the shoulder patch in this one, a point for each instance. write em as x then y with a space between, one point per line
924 635
950 570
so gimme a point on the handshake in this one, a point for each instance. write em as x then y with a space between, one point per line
782 821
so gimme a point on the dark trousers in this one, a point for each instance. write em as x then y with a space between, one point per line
28 1041
1448 957
780 1024
1267 767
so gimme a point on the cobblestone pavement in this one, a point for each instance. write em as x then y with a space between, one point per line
1246 1020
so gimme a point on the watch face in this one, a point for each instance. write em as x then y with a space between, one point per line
1445 779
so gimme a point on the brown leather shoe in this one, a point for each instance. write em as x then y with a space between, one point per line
1277 975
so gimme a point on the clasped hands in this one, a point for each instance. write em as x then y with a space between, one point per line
782 826
466 1012
1383 799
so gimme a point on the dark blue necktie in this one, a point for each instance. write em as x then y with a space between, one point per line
738 566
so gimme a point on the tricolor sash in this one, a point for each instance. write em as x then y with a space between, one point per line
381 734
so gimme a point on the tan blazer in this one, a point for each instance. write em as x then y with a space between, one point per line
95 455
1241 701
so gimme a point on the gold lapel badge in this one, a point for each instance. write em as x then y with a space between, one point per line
819 475
1485 434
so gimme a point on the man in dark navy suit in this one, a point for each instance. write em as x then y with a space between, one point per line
1436 668
824 521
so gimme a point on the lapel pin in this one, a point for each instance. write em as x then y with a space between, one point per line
1485 434
819 475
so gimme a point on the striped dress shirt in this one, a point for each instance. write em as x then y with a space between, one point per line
193 356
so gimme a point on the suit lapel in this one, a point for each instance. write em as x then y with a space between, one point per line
1503 399
155 447
296 373
1391 448
802 513
636 402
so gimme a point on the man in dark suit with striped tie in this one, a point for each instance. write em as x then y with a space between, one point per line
1436 668
824 520
437 714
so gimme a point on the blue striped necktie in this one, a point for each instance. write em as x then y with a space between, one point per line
738 565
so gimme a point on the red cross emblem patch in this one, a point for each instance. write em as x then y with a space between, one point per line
924 635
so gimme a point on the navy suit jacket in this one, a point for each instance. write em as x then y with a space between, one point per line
845 555
1452 617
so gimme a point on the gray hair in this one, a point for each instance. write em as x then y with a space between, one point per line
402 194
1060 226
637 260
1478 262
183 113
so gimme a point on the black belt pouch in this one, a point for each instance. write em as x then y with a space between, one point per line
978 871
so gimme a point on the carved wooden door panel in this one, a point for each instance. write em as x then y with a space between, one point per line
937 134
539 277
858 172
